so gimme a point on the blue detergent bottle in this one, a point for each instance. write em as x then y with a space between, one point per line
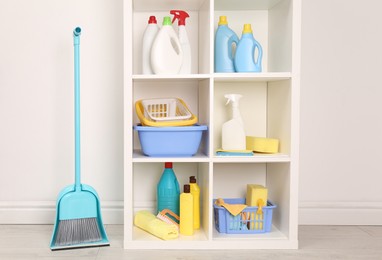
245 60
168 190
224 40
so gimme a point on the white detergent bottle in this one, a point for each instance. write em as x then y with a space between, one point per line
166 51
183 39
148 38
233 134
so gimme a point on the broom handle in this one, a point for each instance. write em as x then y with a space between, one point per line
76 37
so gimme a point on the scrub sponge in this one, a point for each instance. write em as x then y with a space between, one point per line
262 145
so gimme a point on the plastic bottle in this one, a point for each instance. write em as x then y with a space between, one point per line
183 39
233 134
168 190
186 224
245 52
195 191
148 38
166 51
224 39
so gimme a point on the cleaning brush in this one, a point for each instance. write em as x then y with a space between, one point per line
162 215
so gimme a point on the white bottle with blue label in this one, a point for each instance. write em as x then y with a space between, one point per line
246 57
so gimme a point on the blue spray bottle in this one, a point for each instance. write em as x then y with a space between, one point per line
224 39
245 52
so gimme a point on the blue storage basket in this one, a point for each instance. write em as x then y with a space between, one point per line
175 141
225 222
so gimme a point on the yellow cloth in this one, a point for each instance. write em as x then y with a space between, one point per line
234 209
149 222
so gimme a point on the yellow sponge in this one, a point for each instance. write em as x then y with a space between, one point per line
257 196
262 145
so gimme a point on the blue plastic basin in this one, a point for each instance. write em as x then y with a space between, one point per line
177 141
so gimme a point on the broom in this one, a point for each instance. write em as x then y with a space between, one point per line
78 215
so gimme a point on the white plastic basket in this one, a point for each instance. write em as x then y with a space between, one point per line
166 109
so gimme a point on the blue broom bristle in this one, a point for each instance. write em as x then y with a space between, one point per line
77 231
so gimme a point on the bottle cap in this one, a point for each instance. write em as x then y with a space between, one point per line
152 19
180 15
247 28
167 20
223 20
168 165
192 179
186 188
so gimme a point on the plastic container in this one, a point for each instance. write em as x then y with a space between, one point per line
245 60
186 224
172 112
168 190
183 39
166 109
233 134
225 222
166 51
224 39
170 141
148 39
195 191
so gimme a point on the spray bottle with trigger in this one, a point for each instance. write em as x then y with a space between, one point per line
183 38
233 134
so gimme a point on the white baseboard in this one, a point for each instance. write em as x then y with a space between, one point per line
310 213
340 213
44 212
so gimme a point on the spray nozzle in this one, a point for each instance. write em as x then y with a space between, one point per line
180 15
233 98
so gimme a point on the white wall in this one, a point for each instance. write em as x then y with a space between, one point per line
341 119
341 124
37 108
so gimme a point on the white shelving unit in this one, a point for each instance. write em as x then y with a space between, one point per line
269 107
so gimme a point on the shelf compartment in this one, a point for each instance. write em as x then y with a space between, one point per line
146 176
193 91
265 109
197 26
230 181
271 23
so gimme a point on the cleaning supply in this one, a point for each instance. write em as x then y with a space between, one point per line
168 190
195 191
163 216
234 209
148 38
257 196
233 135
183 39
166 51
186 225
78 212
245 60
224 40
222 152
147 221
262 145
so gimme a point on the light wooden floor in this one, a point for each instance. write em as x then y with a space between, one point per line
316 242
